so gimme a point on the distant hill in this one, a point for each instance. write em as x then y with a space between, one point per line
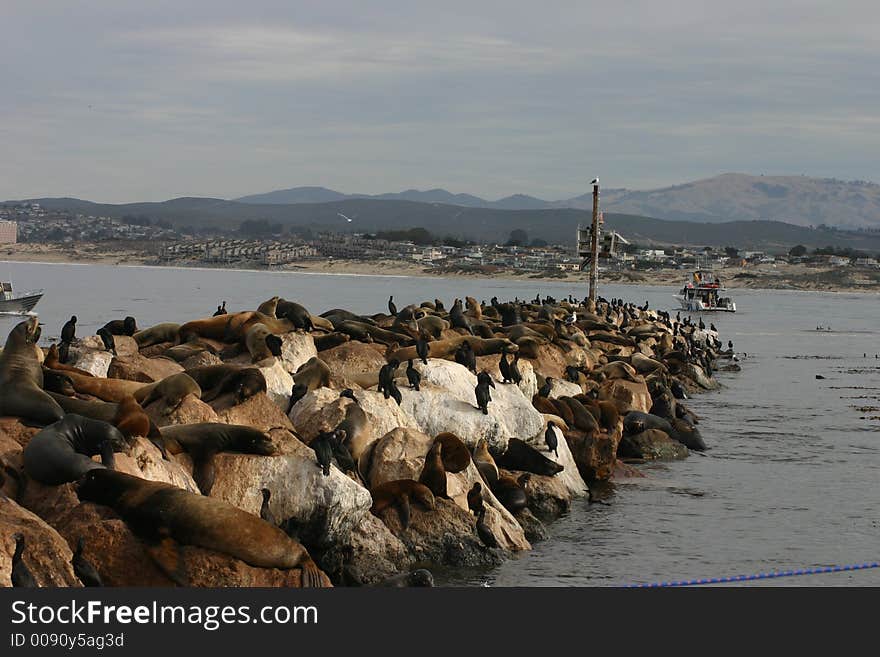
481 224
795 200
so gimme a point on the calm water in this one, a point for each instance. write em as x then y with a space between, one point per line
791 477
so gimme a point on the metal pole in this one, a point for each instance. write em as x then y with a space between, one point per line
594 247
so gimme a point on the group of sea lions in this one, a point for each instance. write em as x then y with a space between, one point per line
82 415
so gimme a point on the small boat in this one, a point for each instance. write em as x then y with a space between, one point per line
703 293
9 303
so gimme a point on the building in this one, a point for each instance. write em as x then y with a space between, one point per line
8 232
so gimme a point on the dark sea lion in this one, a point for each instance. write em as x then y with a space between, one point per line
155 510
433 474
60 453
420 577
687 434
297 392
546 406
446 348
21 575
52 361
313 374
269 307
83 568
458 319
364 332
485 463
131 419
215 380
96 409
173 389
58 382
511 495
166 332
21 378
295 313
205 439
262 344
181 352
455 454
339 315
524 457
127 326
475 499
330 340
399 494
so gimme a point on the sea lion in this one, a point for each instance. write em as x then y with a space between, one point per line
127 326
225 328
215 380
112 390
262 344
455 454
181 352
269 306
420 577
511 495
432 325
433 474
367 332
60 453
295 313
485 463
173 389
166 332
356 427
297 392
205 439
446 348
581 418
330 340
58 382
680 430
21 378
399 494
313 374
522 456
458 319
53 362
475 499
131 419
154 510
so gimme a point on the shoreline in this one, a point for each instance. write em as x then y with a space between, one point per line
757 277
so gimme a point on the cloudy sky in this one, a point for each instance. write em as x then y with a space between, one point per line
125 101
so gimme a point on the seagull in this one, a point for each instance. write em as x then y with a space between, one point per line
594 181
343 216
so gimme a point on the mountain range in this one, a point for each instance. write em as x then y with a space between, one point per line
798 200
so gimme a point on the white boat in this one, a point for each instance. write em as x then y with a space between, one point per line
703 292
9 303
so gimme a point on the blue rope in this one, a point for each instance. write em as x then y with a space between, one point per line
757 576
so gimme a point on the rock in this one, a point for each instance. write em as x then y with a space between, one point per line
595 454
533 528
446 402
95 362
355 363
296 349
145 461
14 436
191 410
563 388
201 359
323 410
400 454
258 412
46 553
626 395
324 509
696 374
279 383
138 368
651 444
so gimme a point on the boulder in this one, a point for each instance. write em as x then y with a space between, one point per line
138 368
296 349
446 402
595 453
95 362
191 410
145 461
400 454
46 553
698 375
279 383
626 395
201 359
355 363
258 412
564 388
651 444
324 510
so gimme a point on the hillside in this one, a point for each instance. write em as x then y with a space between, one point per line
795 200
480 224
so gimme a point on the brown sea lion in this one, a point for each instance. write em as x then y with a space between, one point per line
112 390
583 419
205 439
433 473
544 405
155 510
474 308
181 352
485 463
268 307
455 454
262 344
173 389
225 328
131 419
433 325
447 348
399 494
52 362
215 380
362 331
314 374
330 340
21 377
166 332
356 427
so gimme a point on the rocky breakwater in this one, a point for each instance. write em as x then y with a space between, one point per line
357 447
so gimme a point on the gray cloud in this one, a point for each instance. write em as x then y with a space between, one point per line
148 101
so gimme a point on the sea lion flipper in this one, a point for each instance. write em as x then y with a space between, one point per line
203 473
403 510
311 575
107 458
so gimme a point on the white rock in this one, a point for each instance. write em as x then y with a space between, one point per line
145 461
278 383
328 507
562 388
447 402
296 349
96 363
529 384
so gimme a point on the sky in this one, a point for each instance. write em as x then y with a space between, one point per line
118 101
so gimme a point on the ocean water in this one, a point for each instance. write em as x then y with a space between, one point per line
791 478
